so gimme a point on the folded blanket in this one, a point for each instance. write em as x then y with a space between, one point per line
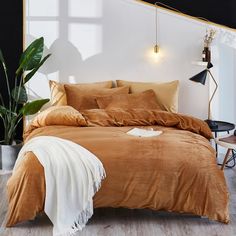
72 174
142 117
65 116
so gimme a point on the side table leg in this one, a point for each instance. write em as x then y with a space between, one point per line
216 145
225 160
232 158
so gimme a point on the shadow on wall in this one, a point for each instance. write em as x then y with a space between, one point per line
86 46
81 51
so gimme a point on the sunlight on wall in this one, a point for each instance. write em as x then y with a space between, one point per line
37 92
86 9
87 38
72 79
42 8
48 29
53 76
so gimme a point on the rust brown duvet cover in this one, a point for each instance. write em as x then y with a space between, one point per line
175 171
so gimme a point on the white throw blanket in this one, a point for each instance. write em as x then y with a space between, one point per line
73 175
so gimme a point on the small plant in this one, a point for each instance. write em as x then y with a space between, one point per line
18 105
209 37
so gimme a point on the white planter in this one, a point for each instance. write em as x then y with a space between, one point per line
8 155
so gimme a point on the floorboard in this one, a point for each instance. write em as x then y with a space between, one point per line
124 222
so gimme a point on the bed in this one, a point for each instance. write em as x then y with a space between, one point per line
175 171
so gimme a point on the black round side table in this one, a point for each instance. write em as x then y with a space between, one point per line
222 126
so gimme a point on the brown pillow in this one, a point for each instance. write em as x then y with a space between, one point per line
144 100
58 93
166 93
56 115
83 99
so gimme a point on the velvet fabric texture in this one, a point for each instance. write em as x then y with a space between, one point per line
82 99
144 100
167 93
144 117
176 171
56 115
58 93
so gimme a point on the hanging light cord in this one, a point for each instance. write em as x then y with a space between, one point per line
156 22
156 48
157 4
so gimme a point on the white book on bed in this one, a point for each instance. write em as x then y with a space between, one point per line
143 132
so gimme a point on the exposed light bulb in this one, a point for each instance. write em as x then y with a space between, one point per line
156 49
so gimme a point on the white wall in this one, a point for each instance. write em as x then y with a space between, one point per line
93 40
227 84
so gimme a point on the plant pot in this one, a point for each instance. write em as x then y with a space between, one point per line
8 155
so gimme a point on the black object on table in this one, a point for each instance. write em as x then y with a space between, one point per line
222 126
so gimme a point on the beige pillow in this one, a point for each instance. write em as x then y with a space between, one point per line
145 100
167 93
58 93
82 98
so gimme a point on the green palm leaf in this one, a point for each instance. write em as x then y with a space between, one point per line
32 56
19 94
32 73
31 108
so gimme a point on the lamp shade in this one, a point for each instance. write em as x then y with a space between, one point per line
200 77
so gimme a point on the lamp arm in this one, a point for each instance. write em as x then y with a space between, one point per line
212 96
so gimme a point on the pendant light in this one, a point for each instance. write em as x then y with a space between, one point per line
156 47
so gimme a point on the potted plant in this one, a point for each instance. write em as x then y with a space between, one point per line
17 105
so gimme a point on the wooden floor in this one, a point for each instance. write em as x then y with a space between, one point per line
123 222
